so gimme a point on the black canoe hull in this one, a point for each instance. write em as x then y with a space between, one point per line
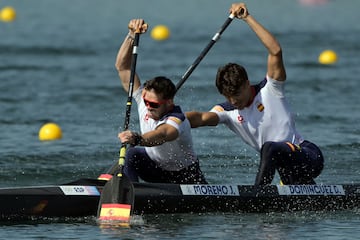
80 198
165 198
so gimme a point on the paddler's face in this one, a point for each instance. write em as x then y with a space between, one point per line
241 98
156 106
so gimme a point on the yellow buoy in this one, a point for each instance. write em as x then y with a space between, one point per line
328 57
160 33
7 14
50 131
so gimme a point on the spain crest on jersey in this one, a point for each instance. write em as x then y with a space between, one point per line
260 107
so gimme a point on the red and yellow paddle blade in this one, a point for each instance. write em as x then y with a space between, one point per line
116 202
115 212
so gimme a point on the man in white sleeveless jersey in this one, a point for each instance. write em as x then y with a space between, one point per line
261 116
166 154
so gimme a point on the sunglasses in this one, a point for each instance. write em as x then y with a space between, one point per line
153 104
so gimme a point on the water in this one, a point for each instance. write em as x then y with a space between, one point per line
57 64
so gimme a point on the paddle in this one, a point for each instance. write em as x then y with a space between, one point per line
116 199
205 51
109 205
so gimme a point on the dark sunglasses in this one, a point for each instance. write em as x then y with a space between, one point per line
153 104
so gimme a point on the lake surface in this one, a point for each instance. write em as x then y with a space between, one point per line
57 64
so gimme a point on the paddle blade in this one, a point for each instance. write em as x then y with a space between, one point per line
116 201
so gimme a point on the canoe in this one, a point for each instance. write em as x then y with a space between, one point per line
80 198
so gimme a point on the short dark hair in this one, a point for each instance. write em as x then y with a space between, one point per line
161 85
230 78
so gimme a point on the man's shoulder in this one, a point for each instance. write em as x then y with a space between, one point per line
225 106
259 85
175 113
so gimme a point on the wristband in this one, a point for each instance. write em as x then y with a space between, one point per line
138 139
130 37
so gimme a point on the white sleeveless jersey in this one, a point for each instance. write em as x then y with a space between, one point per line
268 118
174 155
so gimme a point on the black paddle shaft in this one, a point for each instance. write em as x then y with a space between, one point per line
131 82
119 166
204 51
